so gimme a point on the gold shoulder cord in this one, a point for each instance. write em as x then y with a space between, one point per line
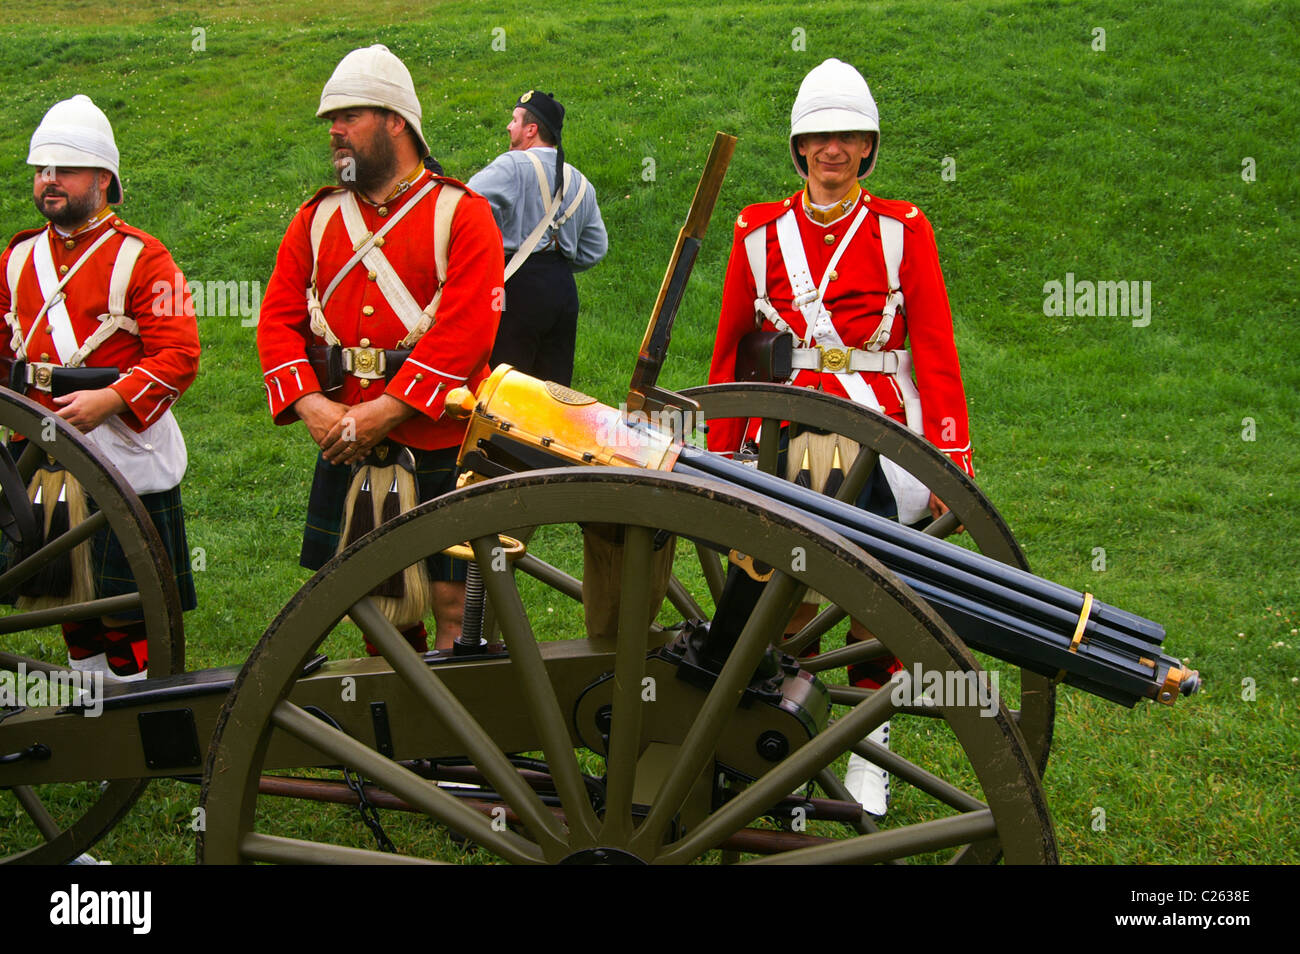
1078 630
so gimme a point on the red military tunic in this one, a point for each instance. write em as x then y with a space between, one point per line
855 297
453 352
159 364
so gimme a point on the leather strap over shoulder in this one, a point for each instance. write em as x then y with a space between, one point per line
325 210
17 260
365 244
115 319
53 311
444 211
808 297
756 252
367 247
544 187
550 205
891 242
119 283
577 199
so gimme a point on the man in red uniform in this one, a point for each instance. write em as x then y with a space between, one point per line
107 296
852 277
396 277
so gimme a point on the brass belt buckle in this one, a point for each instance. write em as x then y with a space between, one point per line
834 360
44 375
367 361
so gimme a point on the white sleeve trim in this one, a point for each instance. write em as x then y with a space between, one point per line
285 365
445 374
169 387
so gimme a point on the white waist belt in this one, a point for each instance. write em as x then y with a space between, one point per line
844 360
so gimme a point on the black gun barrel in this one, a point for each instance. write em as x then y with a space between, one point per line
999 609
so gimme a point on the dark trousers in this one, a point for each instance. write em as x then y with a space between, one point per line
539 326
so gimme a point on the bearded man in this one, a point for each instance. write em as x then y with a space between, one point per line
103 334
386 295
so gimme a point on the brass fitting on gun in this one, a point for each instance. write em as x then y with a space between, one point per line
517 416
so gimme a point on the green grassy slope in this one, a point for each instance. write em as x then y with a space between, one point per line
1124 163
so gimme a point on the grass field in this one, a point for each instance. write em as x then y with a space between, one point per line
1158 150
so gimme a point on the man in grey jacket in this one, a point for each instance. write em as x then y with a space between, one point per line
550 228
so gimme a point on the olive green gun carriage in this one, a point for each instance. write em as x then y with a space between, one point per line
660 741
689 770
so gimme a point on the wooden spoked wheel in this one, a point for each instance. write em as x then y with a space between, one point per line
52 824
650 810
879 437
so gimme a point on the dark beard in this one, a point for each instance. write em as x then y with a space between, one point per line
371 168
75 210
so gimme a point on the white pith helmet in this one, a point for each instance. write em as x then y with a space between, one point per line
76 134
834 97
374 77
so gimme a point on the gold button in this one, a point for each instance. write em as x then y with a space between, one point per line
834 275
365 342
370 275
45 356
383 210
365 383
419 376
63 269
379 242
117 221
830 240
368 310
69 244
49 329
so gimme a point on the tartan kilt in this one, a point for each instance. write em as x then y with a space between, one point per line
108 564
109 569
435 475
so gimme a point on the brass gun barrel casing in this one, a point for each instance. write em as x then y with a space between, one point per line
562 423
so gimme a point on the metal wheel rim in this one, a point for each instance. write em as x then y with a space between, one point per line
161 605
1006 772
888 438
